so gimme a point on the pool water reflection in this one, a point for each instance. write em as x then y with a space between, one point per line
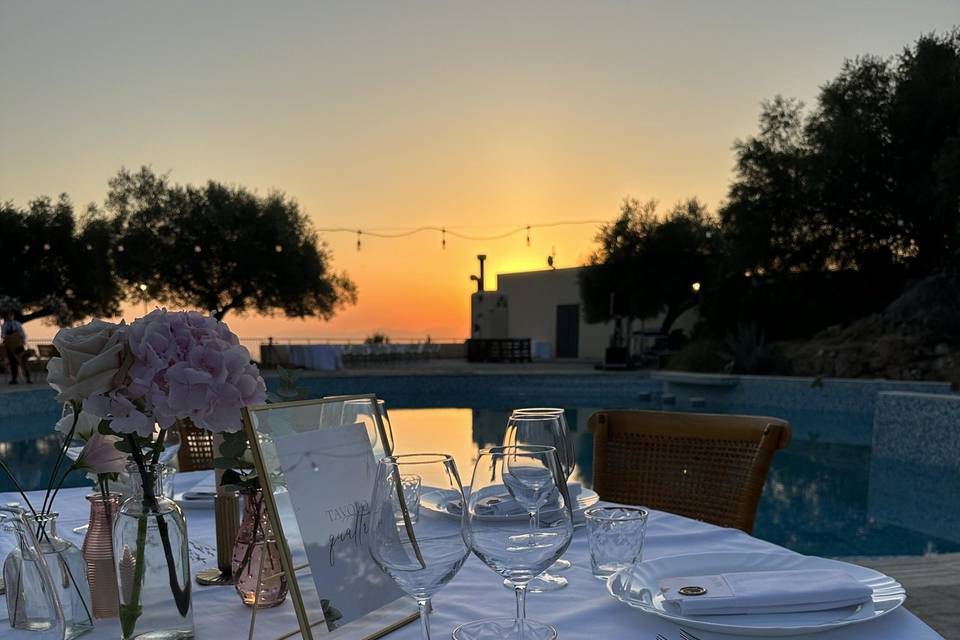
815 501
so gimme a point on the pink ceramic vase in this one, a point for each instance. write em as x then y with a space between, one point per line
256 544
98 554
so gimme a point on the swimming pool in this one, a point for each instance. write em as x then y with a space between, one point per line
818 495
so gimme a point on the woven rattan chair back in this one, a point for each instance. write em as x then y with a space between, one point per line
196 449
703 466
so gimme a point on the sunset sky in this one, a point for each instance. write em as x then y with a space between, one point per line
478 116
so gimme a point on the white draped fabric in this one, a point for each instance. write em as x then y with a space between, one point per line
582 610
318 357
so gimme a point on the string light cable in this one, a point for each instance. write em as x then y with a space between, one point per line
392 233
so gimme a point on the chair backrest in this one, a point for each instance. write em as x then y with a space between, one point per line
196 449
705 466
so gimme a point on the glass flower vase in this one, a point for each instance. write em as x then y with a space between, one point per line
152 564
26 605
98 554
256 554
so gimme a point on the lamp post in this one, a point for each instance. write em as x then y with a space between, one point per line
143 296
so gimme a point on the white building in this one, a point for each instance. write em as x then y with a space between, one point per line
545 307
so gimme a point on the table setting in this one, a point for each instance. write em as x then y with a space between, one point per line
343 537
584 608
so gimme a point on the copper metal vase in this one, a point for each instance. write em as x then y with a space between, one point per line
98 554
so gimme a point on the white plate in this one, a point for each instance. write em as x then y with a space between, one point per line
638 586
447 502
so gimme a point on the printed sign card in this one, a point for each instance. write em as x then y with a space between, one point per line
317 461
329 475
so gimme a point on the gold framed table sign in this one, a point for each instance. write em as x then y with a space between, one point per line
316 460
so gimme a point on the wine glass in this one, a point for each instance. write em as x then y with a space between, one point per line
567 453
518 521
421 554
544 426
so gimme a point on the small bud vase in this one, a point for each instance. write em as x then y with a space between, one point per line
257 555
153 564
26 607
98 554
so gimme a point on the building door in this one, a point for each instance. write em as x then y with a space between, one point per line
568 330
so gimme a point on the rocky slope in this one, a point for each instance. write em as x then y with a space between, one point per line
917 337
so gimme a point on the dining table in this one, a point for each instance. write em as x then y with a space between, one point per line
582 610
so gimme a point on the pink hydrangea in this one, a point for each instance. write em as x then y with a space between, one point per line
184 366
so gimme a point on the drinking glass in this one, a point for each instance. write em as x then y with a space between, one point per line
422 554
544 426
412 486
361 410
615 536
517 543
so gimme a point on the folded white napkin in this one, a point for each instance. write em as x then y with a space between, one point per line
204 490
764 592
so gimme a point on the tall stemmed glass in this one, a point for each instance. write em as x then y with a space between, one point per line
420 550
544 426
567 452
519 544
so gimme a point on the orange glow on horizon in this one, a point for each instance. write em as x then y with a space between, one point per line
377 115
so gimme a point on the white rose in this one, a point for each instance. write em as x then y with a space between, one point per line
87 425
91 356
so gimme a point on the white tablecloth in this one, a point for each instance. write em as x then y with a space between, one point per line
582 610
318 357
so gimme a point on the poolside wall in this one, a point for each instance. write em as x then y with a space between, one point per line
915 465
830 410
497 391
837 410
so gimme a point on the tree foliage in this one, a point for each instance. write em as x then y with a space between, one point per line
58 265
831 211
866 181
221 248
646 265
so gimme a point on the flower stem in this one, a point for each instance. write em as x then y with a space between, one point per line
181 596
16 483
130 611
158 446
77 406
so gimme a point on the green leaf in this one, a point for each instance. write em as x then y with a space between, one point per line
234 444
104 428
230 477
129 614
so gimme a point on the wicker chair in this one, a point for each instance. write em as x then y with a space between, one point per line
703 466
196 449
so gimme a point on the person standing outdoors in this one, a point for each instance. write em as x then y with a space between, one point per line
15 344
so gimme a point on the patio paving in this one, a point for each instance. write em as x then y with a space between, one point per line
933 587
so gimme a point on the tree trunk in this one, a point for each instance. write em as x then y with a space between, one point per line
33 315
